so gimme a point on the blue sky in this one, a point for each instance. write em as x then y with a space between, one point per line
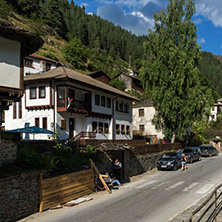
137 16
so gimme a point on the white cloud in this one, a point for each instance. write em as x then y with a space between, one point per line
210 10
84 4
201 41
198 21
221 46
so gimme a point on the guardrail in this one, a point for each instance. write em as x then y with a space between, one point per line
213 201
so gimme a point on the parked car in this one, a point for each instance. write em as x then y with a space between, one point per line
192 154
208 150
169 160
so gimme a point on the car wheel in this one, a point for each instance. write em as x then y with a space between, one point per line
175 167
191 160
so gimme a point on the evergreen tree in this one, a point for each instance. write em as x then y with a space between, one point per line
171 70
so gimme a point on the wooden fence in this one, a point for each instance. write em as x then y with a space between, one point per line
60 189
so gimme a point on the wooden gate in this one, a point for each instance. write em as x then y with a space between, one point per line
60 189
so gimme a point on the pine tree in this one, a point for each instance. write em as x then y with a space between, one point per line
171 70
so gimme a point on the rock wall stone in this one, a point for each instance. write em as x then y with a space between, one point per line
8 151
19 196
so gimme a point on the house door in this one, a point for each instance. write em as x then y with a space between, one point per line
71 127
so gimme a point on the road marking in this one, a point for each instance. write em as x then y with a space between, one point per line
174 185
192 185
146 184
205 188
159 185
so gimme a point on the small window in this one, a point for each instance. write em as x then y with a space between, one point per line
117 106
142 128
108 103
44 122
101 128
37 122
106 126
28 62
42 92
97 100
48 66
141 112
128 130
20 110
126 108
103 101
63 124
123 131
121 107
14 111
32 92
117 129
94 125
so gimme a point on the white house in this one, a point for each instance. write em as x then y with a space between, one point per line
15 44
143 113
34 63
215 110
74 104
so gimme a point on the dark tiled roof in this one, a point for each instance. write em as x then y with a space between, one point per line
145 103
30 41
64 72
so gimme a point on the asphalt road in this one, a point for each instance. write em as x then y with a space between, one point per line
156 196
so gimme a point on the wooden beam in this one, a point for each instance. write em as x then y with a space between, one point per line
40 193
93 166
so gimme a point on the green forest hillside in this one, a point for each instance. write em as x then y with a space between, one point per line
87 42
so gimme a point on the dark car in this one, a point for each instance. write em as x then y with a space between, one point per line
192 154
208 150
170 160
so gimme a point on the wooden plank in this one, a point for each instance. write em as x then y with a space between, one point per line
66 187
65 194
64 183
63 200
100 176
40 193
70 177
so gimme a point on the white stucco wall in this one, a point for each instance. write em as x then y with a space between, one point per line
213 113
28 119
9 63
146 120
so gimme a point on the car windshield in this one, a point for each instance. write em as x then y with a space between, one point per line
204 148
169 155
188 151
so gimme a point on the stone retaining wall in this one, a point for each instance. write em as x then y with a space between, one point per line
19 196
8 151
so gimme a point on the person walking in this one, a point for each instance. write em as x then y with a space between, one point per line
183 162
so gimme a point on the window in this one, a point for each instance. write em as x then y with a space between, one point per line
108 102
126 108
28 62
128 130
117 106
97 100
63 124
94 126
32 92
14 111
48 66
44 122
20 110
37 122
101 128
42 92
142 128
3 117
61 96
103 101
123 129
141 112
121 107
117 129
106 126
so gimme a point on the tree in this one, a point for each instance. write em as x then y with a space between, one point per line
76 53
171 70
